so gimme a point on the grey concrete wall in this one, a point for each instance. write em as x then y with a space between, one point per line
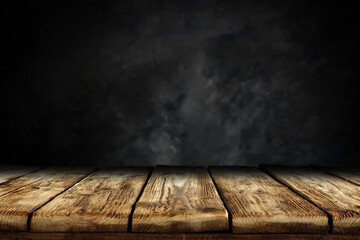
181 82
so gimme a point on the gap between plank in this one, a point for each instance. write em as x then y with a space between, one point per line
222 199
28 223
330 220
333 174
137 199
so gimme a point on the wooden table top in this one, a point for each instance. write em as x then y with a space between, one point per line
167 202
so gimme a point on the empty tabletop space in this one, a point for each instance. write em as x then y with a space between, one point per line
20 197
179 202
102 202
259 204
349 174
8 172
341 199
180 199
170 236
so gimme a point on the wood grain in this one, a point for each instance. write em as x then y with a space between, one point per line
8 172
102 202
23 195
173 236
180 199
349 174
259 204
336 196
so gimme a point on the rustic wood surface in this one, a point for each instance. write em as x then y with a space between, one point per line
174 236
349 174
101 202
180 199
8 172
179 203
259 204
336 196
20 197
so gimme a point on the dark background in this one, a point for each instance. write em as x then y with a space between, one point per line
180 82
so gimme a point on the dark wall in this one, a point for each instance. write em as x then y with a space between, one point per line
181 82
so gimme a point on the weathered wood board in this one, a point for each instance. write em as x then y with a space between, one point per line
259 204
8 172
180 199
170 236
101 202
336 196
20 197
349 174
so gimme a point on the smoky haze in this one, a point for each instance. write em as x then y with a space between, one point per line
181 83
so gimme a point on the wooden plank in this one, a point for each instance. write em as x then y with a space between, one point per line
180 199
174 236
102 202
8 172
349 174
259 204
336 196
20 197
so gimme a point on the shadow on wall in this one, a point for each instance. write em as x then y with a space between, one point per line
182 83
